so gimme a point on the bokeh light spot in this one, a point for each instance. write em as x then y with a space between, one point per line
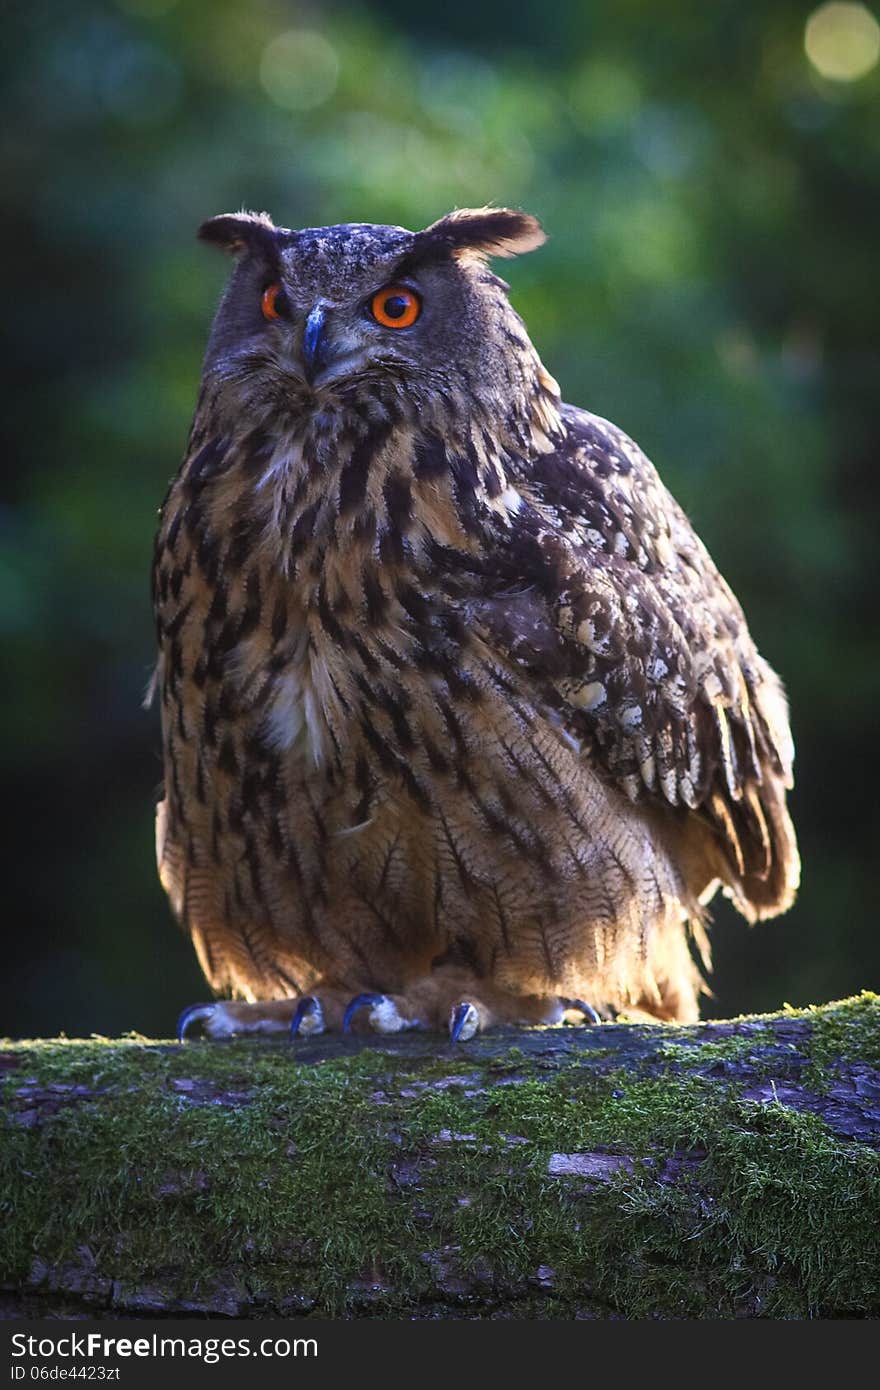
142 85
299 70
604 96
842 41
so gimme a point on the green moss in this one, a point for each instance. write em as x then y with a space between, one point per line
849 1030
736 1048
370 1182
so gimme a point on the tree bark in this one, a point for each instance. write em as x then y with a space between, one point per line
720 1170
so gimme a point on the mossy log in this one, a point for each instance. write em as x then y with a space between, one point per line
715 1171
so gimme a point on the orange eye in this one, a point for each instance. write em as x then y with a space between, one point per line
273 302
395 306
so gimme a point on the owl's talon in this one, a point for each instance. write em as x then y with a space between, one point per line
587 1010
308 1017
463 1022
385 1017
360 1001
191 1015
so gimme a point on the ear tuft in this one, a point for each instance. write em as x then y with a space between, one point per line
484 232
240 231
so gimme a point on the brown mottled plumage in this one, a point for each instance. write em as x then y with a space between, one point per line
456 708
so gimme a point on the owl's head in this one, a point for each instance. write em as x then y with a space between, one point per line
340 318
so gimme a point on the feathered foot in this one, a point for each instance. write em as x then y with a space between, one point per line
450 1002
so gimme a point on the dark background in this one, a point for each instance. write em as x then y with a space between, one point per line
710 284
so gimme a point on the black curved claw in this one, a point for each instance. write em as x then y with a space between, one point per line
189 1015
360 1001
586 1009
308 1005
458 1020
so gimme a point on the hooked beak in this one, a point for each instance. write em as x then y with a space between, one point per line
314 343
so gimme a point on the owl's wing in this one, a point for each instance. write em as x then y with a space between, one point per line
605 594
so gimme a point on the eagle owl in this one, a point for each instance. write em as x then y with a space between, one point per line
461 724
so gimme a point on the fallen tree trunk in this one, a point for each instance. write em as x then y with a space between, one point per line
721 1170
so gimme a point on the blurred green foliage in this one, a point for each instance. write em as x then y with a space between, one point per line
713 206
